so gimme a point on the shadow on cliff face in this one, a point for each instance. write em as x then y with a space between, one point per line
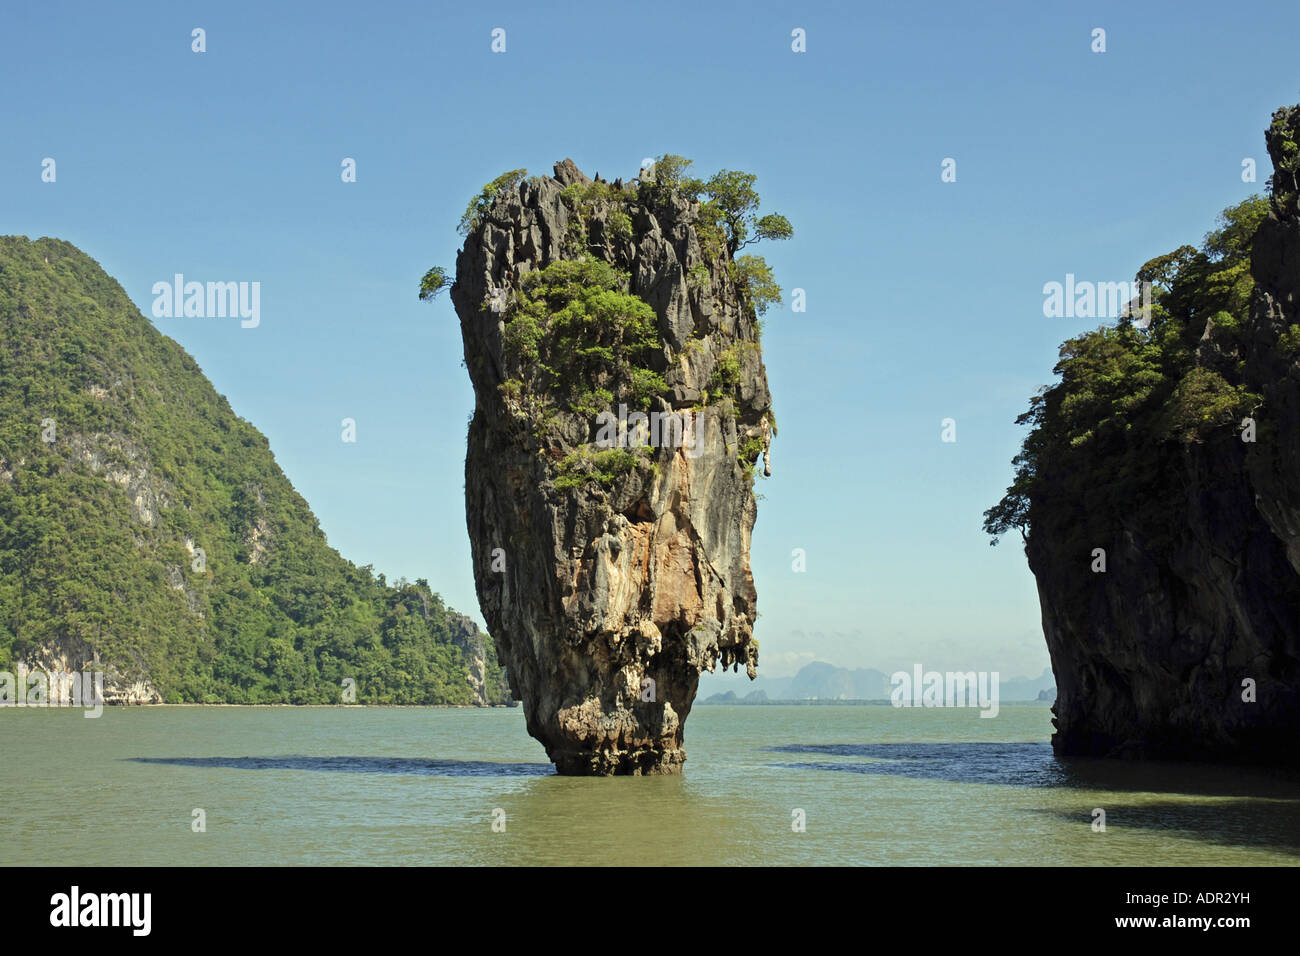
399 765
1034 765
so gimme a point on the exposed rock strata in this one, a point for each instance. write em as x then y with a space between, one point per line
607 600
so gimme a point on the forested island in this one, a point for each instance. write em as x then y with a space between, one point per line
146 530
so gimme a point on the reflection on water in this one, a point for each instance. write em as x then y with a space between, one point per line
408 765
1017 764
1266 813
1034 765
1229 823
348 786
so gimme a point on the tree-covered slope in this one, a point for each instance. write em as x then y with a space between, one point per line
119 464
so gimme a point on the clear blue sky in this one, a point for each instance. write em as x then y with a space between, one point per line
924 298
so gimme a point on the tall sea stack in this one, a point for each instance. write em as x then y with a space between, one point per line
611 555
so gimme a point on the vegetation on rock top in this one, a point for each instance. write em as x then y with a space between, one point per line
1106 441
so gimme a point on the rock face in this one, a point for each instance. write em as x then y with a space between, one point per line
480 662
608 592
1151 658
1275 464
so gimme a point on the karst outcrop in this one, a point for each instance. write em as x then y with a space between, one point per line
621 405
1159 493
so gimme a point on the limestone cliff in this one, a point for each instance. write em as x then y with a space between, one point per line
1162 517
612 564
482 669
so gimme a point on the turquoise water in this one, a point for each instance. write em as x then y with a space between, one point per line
419 786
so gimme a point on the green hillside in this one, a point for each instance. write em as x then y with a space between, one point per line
100 529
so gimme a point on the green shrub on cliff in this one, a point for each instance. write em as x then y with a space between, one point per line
727 198
575 329
480 204
1286 158
753 276
584 201
731 195
728 221
575 339
726 371
1104 440
434 281
1204 401
1288 344
620 223
584 465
